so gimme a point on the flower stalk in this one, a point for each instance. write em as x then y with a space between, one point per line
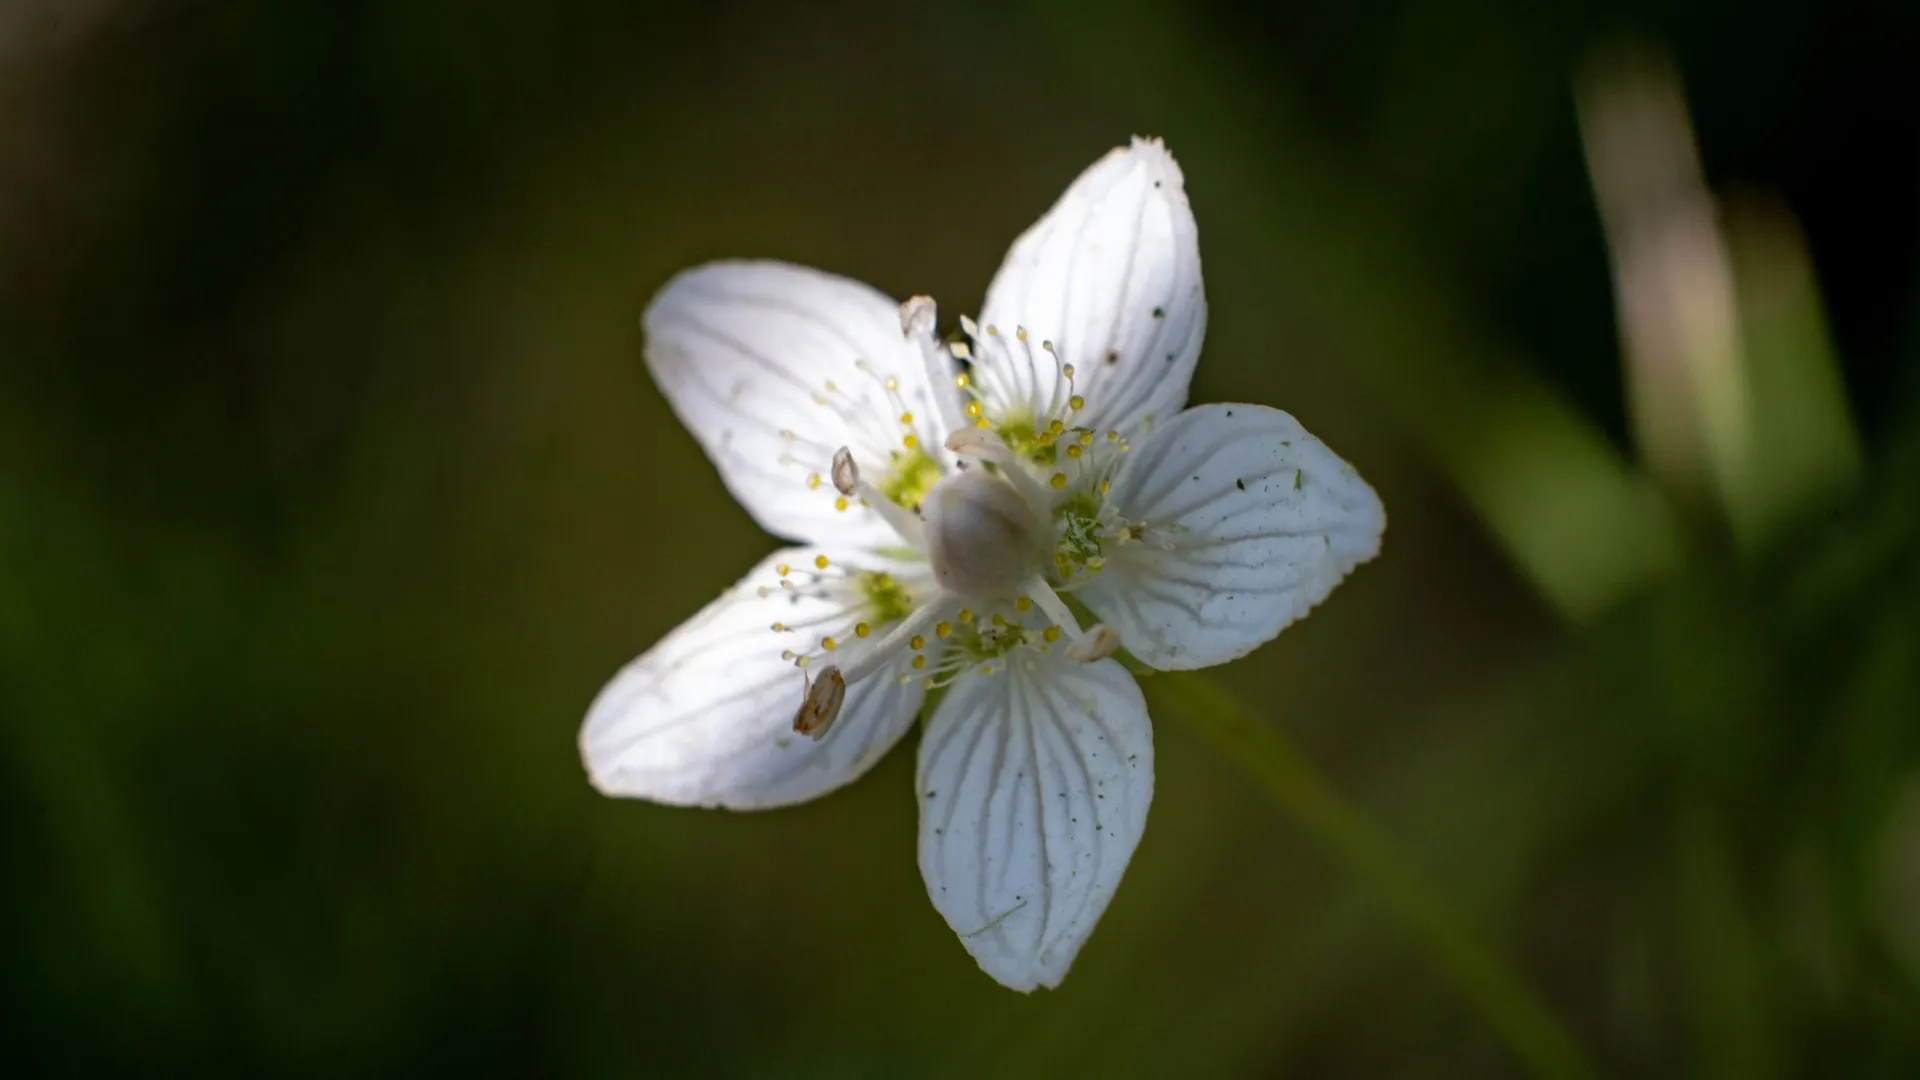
1495 990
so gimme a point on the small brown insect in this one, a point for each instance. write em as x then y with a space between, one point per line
846 474
822 705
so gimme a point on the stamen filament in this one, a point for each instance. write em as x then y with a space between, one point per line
1049 601
904 521
986 445
917 318
897 638
847 481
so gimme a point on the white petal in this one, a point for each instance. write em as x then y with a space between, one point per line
1034 787
705 717
745 352
1250 523
1111 276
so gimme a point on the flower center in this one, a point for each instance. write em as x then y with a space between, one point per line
983 538
1027 522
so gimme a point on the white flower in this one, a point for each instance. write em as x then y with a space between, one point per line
948 500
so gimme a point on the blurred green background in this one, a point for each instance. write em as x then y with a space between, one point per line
332 488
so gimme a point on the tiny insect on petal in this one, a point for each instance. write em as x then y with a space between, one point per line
846 474
822 705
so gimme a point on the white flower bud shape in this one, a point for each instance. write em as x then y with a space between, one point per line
983 537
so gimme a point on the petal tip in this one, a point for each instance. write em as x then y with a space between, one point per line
1142 154
1152 153
1022 982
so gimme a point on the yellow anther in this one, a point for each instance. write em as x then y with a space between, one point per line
820 561
778 627
892 384
942 628
832 389
999 619
787 434
966 615
829 644
906 418
1106 486
862 630
911 442
1020 332
961 381
1051 633
986 669
1059 480
1024 603
919 642
974 408
1074 451
919 662
840 503
1056 428
1113 436
1076 402
1086 438
784 569
813 481
981 422
1067 370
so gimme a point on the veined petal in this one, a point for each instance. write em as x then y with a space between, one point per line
705 717
773 367
1034 787
1246 523
1110 276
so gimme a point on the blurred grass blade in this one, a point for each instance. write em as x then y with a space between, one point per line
1585 527
1736 399
1673 284
1807 456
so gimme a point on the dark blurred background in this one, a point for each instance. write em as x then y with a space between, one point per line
332 488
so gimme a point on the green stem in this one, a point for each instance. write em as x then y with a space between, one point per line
1507 1004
